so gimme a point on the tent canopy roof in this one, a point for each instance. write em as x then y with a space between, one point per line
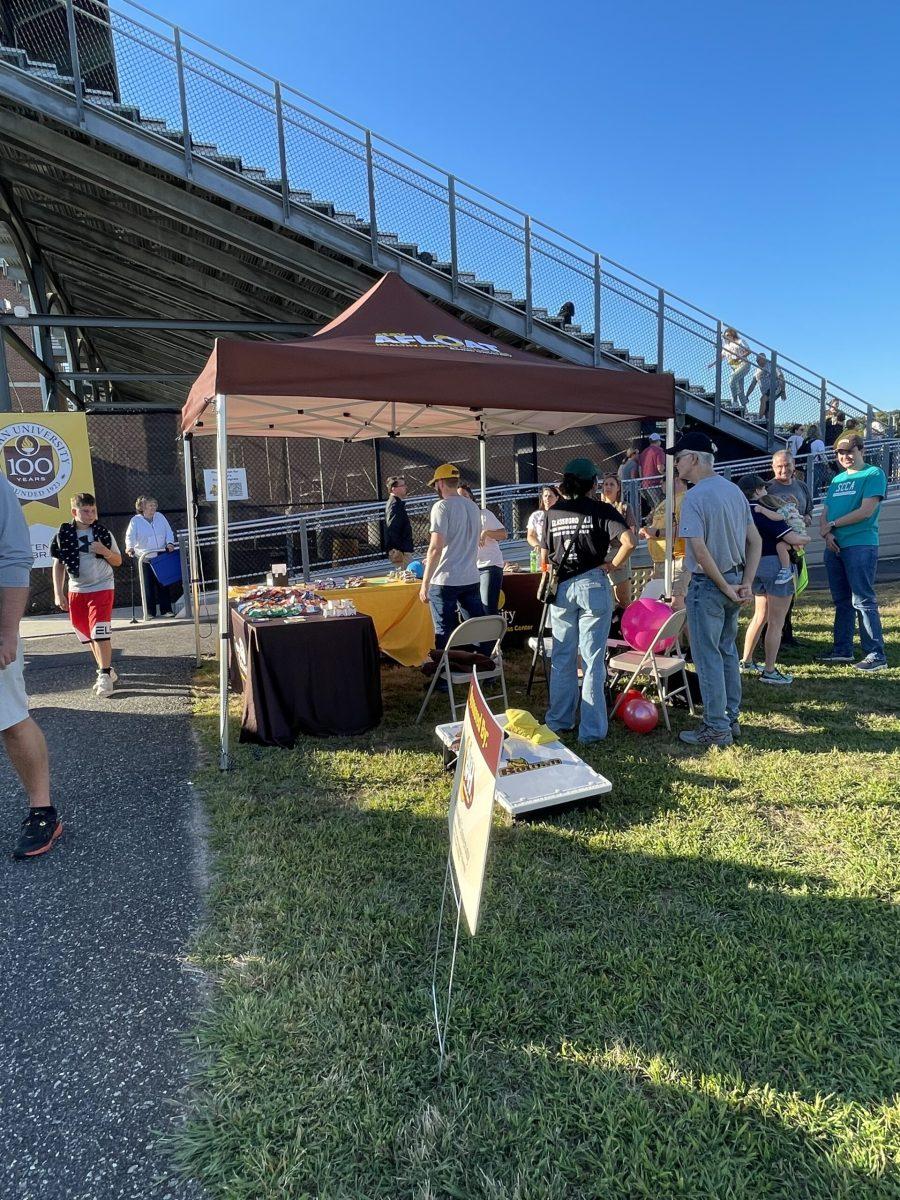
396 365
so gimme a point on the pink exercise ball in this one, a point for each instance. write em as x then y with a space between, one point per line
642 621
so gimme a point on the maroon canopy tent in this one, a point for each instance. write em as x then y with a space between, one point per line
395 365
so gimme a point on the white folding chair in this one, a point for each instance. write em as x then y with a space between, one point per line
659 666
472 632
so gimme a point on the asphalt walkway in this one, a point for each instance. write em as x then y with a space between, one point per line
95 999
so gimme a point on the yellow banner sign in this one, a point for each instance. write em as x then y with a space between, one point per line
47 459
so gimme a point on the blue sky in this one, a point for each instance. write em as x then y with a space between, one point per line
746 157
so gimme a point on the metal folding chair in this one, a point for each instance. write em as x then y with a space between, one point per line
470 633
658 666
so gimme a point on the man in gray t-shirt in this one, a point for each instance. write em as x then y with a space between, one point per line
786 485
716 511
722 551
451 580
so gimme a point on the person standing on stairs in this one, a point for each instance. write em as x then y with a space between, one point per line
736 353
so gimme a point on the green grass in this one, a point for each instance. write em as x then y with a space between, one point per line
688 990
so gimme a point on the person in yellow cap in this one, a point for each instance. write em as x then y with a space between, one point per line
451 580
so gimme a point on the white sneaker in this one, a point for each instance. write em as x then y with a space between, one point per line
104 685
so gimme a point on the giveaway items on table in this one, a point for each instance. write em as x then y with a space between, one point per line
402 625
310 674
264 603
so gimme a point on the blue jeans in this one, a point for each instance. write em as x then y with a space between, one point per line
444 600
491 583
712 622
851 577
580 622
737 384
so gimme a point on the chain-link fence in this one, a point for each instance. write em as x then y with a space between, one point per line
142 455
289 476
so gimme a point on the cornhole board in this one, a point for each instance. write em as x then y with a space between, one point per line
545 787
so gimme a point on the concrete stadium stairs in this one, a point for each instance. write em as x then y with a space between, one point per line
697 402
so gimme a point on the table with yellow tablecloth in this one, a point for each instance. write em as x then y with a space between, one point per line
403 623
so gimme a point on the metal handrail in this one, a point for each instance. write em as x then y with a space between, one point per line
460 199
498 494
316 521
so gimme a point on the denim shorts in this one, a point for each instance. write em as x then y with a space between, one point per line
764 581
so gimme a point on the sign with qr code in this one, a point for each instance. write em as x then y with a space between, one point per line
237 484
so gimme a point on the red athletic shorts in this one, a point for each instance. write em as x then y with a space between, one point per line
91 615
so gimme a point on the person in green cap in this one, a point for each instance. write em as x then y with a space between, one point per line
576 538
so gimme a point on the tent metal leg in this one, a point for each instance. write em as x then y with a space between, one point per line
193 554
670 508
222 556
482 467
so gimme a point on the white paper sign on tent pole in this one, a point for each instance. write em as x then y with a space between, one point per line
237 483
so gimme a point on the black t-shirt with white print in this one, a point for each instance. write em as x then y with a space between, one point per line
592 523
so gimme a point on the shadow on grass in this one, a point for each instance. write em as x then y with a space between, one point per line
626 1023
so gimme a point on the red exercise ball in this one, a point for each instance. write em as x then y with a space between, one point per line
631 694
640 715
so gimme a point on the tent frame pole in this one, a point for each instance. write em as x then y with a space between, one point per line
222 557
482 467
193 554
670 508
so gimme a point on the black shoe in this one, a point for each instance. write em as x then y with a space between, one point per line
791 641
40 829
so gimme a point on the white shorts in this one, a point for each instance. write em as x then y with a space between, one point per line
13 700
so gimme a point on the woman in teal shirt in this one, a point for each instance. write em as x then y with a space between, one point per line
849 525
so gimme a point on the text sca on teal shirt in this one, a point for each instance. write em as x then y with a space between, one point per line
845 494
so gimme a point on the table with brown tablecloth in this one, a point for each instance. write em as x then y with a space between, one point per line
520 605
311 675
